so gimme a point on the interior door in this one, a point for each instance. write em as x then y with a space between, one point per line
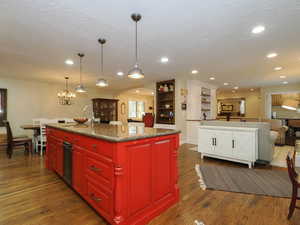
223 143
243 145
206 139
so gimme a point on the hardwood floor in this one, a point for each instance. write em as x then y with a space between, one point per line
31 195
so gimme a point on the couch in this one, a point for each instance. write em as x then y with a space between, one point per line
276 125
266 137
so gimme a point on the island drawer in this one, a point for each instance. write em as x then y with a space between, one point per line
100 199
93 145
100 170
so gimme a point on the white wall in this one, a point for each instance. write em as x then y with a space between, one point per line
32 99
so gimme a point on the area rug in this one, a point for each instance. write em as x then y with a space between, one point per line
249 181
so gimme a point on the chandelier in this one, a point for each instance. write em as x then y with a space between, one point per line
65 97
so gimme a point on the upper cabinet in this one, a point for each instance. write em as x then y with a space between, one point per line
201 100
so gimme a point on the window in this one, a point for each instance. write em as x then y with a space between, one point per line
3 106
136 109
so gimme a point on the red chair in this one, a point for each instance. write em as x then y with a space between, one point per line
148 120
295 179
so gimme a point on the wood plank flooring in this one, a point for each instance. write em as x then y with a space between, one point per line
31 195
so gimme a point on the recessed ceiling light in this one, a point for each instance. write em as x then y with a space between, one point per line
120 73
212 78
251 89
285 82
152 93
272 55
69 62
282 77
226 84
278 68
194 71
236 87
164 60
258 29
137 91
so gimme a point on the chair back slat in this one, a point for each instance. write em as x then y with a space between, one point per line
291 168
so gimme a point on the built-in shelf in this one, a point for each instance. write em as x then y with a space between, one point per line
165 102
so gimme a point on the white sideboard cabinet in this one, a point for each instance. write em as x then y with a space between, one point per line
237 144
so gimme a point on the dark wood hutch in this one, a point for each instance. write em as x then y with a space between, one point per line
105 109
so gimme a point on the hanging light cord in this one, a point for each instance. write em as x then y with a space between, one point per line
136 45
101 60
80 69
67 85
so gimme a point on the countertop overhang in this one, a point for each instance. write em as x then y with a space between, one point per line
114 133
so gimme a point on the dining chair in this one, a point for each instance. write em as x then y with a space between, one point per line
295 179
16 141
42 138
36 121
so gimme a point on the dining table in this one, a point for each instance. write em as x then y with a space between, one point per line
36 132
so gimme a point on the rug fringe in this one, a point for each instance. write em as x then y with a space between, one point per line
201 180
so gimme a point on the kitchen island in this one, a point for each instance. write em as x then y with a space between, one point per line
128 174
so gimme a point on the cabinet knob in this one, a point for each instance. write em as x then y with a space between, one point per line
96 199
94 146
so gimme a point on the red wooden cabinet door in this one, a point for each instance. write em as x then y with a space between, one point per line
140 187
78 169
162 162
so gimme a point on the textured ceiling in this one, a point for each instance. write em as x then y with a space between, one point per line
212 36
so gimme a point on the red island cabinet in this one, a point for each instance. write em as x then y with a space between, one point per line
127 182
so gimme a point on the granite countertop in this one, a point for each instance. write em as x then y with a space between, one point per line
114 133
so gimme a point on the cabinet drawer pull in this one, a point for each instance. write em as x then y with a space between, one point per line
232 143
93 168
93 197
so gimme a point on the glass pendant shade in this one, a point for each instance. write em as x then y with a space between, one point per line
80 88
136 73
101 83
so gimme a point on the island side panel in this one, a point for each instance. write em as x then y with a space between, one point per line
148 181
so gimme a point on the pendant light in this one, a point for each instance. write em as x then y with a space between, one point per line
80 88
101 82
136 72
